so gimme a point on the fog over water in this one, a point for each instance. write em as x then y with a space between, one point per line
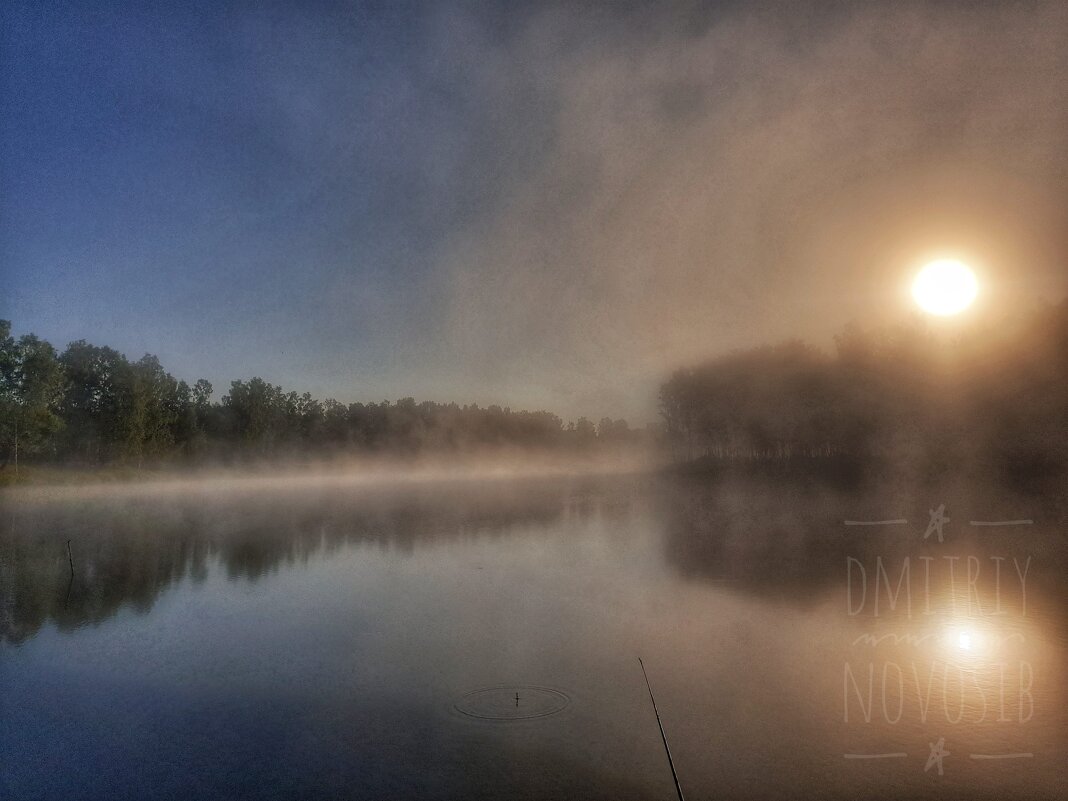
328 641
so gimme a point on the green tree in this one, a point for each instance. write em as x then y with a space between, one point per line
93 401
31 389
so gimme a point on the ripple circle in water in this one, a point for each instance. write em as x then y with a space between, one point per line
499 703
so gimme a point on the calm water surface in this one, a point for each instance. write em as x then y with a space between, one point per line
340 642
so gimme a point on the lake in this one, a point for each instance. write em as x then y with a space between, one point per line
478 639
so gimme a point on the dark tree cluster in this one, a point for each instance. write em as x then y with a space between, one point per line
91 405
994 393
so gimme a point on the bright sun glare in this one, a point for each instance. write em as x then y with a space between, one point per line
945 287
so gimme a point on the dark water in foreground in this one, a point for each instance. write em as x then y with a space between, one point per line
368 643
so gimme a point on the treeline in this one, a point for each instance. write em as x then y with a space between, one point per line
907 394
91 405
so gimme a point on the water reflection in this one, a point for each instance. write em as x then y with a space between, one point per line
129 552
788 538
315 643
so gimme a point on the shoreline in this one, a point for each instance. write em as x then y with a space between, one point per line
53 483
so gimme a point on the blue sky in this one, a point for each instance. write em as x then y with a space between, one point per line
541 207
204 182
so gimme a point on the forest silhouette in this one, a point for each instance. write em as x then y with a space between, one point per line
91 405
912 395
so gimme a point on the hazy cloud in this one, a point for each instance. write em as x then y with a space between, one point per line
763 178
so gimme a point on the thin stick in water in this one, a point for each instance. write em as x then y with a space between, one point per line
671 763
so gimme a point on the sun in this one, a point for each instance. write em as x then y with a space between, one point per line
945 287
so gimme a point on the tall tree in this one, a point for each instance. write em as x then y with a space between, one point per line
31 388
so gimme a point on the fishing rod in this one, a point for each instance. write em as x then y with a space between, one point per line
674 775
